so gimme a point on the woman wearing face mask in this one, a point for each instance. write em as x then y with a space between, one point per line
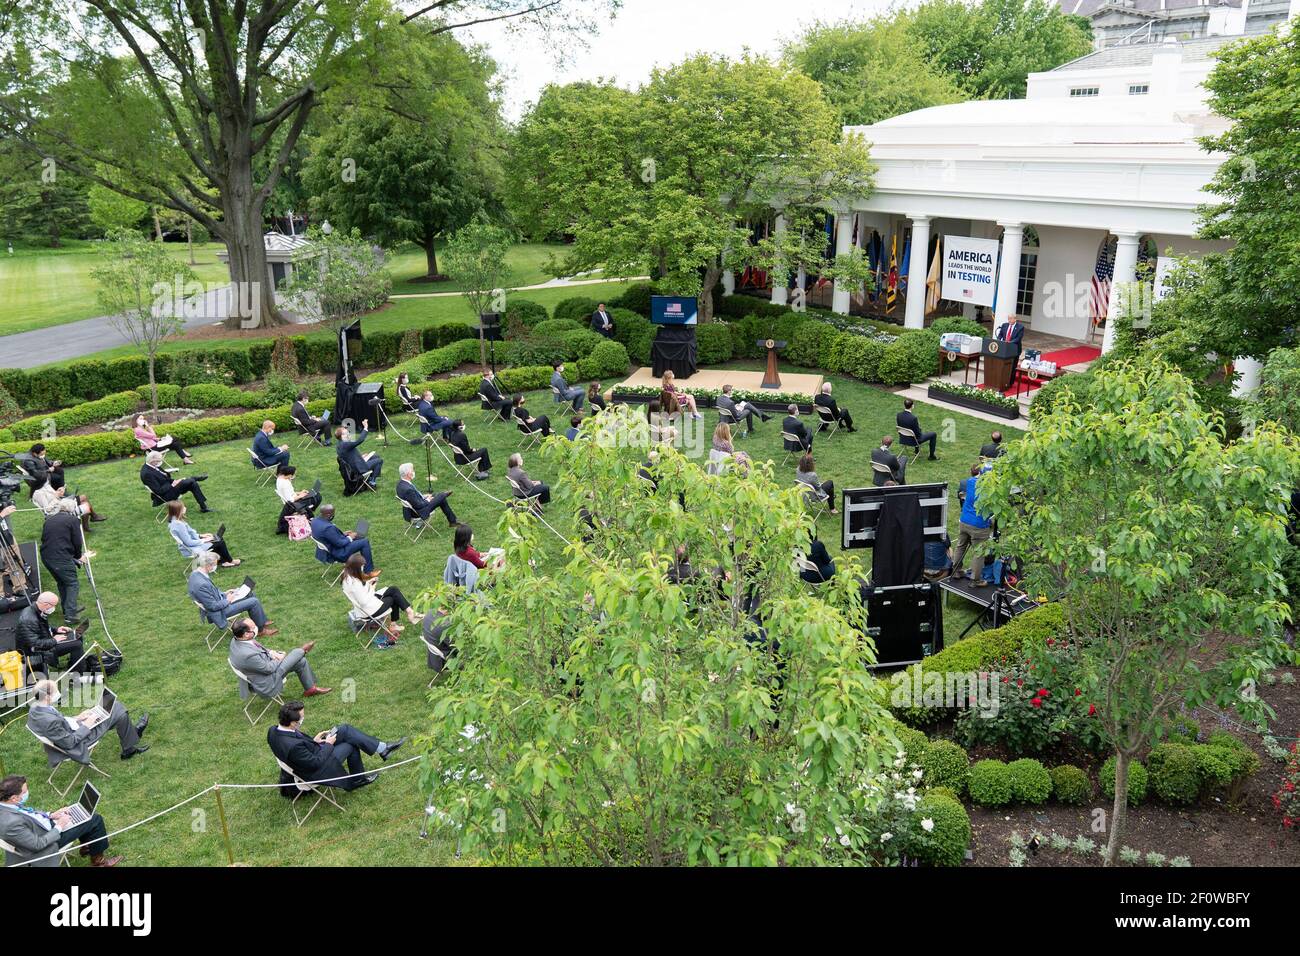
149 440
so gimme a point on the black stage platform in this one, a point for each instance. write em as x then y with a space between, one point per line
997 604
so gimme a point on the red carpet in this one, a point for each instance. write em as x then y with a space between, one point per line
1071 356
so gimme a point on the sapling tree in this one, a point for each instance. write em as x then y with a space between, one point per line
603 711
337 278
1163 543
143 291
475 256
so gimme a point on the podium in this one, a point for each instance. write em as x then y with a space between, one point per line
999 360
771 377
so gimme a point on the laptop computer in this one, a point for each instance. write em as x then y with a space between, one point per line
315 488
96 715
84 808
363 528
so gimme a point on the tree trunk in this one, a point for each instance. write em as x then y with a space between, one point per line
431 259
189 238
153 386
157 224
242 232
1119 812
710 281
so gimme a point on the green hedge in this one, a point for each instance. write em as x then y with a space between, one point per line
983 651
635 298
78 382
714 343
578 308
88 413
636 332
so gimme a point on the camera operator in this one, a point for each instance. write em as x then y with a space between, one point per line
62 553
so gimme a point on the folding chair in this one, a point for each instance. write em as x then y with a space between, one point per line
530 437
367 624
215 634
521 497
561 400
817 501
410 517
305 786
190 563
725 417
63 853
264 472
828 419
324 557
159 508
880 469
253 696
436 651
717 462
361 482
307 437
787 440
907 438
485 405
81 767
803 564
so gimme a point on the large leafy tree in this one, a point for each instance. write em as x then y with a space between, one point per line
871 71
211 100
417 173
598 713
989 48
703 147
1164 544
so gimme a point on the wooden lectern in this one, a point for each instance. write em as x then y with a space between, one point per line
771 378
999 360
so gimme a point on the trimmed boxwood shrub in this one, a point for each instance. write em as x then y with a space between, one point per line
945 764
636 332
990 784
1181 773
947 842
912 357
1030 781
854 355
9 410
87 413
1174 775
524 312
913 743
607 360
713 340
557 327
811 346
957 323
1070 784
636 298
580 342
578 308
1137 781
168 395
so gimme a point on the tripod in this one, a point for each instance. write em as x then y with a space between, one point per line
12 568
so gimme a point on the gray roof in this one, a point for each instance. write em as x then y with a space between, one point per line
1086 8
1140 54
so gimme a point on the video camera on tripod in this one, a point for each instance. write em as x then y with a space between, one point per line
10 480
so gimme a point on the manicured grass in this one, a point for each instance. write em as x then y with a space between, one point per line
198 734
525 259
44 287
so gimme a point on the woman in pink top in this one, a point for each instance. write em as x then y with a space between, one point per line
149 440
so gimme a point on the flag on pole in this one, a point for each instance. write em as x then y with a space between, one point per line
874 255
907 261
891 288
1101 280
933 279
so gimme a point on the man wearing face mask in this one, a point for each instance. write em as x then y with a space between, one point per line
34 834
72 736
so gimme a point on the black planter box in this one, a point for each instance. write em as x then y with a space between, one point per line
973 403
628 398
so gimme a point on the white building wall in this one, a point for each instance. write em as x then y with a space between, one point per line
1066 259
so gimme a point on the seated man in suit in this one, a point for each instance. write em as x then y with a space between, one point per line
501 404
265 669
46 646
994 447
269 454
71 735
478 457
883 456
575 428
35 835
318 428
328 756
340 544
218 605
573 394
430 421
601 322
840 415
740 411
164 488
906 419
819 556
527 487
792 425
422 505
349 453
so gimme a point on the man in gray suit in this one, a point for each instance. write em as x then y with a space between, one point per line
72 736
36 835
740 411
566 393
217 606
265 669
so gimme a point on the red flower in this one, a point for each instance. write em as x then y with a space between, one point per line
1037 702
1020 682
1092 709
1077 692
1006 680
1042 692
1051 642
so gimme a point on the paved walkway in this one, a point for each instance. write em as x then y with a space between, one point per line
552 284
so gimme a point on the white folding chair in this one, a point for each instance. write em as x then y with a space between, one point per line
63 853
81 767
410 518
522 498
159 508
435 650
803 564
215 634
305 786
725 417
880 469
324 557
828 419
717 462
529 437
253 695
485 405
264 473
818 501
364 624
561 400
787 439
907 438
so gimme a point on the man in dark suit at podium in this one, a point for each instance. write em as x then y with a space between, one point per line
1012 331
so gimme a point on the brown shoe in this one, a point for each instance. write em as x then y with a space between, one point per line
369 575
100 860
268 631
317 691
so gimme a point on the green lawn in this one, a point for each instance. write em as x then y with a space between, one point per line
41 287
399 315
198 735
525 259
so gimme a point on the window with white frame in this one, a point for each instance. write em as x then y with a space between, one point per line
1085 91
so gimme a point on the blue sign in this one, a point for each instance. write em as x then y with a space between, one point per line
674 310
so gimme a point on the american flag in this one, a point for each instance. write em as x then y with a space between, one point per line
1101 278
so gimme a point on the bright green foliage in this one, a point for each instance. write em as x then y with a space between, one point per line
946 843
617 717
1137 780
990 784
1030 781
945 764
1070 784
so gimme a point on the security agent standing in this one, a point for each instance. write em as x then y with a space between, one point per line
36 835
62 554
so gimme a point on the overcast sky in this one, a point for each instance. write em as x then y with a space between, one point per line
649 33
